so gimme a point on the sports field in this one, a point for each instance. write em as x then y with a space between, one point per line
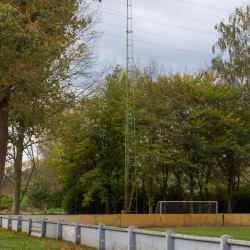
238 233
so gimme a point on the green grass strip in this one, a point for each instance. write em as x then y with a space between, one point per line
23 241
238 233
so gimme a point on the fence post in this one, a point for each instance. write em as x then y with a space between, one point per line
43 230
59 230
18 226
29 227
131 238
170 240
101 237
223 242
8 222
77 233
0 221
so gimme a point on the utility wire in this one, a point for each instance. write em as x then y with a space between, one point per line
134 6
205 6
163 46
159 34
163 23
151 56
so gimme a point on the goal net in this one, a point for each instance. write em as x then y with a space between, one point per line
187 207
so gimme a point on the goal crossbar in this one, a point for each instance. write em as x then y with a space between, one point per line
216 203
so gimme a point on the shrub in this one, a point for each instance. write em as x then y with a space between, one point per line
6 201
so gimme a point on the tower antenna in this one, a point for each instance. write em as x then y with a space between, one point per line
130 201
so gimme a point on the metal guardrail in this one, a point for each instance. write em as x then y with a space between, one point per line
108 238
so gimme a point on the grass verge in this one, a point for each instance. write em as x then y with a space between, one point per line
22 241
238 233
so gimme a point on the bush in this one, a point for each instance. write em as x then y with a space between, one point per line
24 203
38 194
6 201
72 202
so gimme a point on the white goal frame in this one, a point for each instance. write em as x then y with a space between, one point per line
216 202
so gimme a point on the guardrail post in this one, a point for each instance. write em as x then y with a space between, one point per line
170 240
59 230
77 233
223 242
18 226
131 238
101 237
9 223
29 227
43 229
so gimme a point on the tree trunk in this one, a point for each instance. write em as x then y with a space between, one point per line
229 198
3 139
206 184
165 171
191 177
200 185
144 197
150 204
18 173
107 209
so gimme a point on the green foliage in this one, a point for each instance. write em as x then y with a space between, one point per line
73 200
24 203
6 201
38 193
91 146
234 41
192 135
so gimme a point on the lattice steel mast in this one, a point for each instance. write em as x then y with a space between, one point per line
130 201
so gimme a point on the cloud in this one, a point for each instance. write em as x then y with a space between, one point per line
149 31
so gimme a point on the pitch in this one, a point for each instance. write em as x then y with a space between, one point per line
238 233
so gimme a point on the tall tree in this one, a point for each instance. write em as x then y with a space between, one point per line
90 149
216 127
38 41
234 42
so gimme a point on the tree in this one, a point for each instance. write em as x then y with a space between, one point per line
216 131
234 42
40 49
89 153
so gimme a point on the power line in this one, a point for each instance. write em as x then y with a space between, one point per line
166 13
205 6
151 56
158 34
163 46
162 23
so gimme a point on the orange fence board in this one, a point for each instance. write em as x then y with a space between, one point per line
188 220
138 220
108 219
236 220
165 220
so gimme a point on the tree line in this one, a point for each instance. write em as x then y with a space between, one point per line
192 135
191 129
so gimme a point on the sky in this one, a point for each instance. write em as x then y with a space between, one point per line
177 33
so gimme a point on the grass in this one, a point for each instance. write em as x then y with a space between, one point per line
21 241
238 233
39 211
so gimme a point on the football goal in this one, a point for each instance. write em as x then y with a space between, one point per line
187 207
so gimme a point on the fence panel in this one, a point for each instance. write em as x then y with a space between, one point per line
68 232
116 238
89 235
51 229
24 225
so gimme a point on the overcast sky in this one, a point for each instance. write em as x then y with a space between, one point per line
173 42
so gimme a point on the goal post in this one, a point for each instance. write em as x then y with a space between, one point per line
187 207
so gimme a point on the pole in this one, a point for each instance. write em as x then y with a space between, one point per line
130 199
